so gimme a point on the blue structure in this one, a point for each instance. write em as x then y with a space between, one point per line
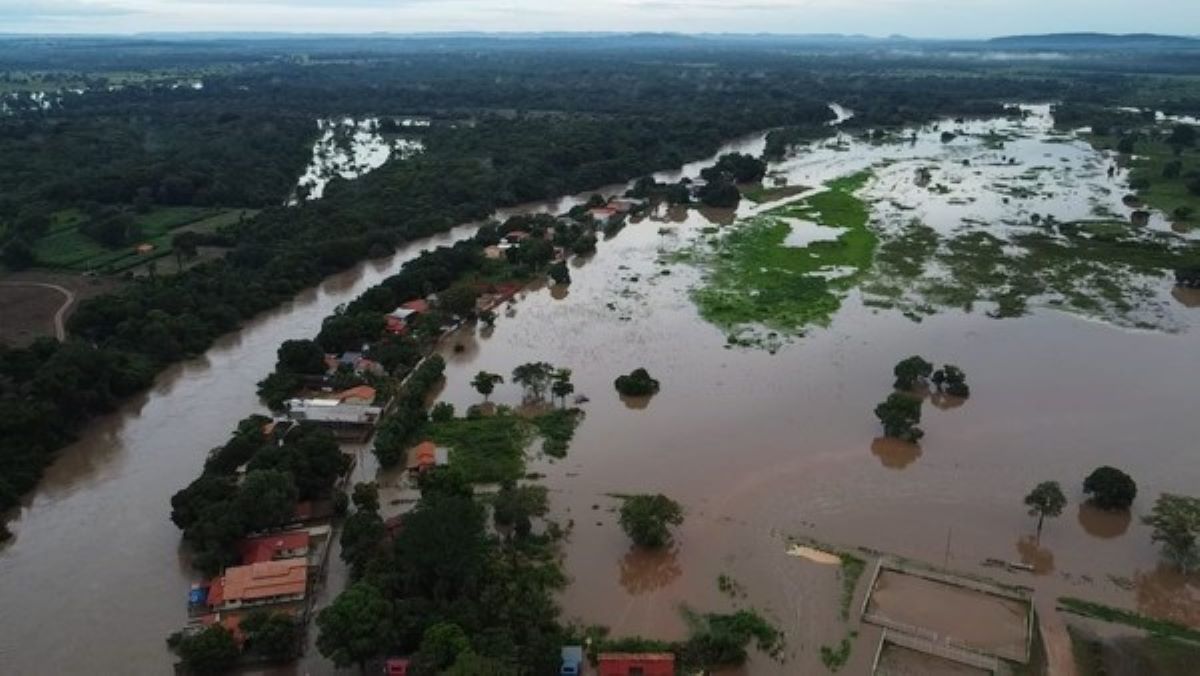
572 661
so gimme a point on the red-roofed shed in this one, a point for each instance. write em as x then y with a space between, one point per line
636 664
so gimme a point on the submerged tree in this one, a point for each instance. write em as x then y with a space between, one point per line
1110 488
910 372
900 414
485 383
534 377
637 384
1176 523
1046 499
647 519
951 380
559 273
562 386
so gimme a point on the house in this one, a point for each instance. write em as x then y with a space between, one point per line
636 664
332 412
363 394
259 584
603 214
396 666
280 546
572 661
144 248
493 252
422 457
517 236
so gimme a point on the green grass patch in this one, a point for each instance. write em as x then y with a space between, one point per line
485 450
835 657
755 279
1099 611
64 246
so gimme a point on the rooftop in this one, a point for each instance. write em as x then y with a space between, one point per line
268 547
260 581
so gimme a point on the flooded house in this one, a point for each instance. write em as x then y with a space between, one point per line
275 547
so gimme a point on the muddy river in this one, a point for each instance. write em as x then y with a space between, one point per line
757 446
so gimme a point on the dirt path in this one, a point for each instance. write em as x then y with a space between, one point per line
1060 661
60 331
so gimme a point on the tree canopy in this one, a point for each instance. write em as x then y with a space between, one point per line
647 519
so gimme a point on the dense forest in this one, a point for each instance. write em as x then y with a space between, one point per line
510 123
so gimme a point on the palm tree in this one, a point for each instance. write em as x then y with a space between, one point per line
485 383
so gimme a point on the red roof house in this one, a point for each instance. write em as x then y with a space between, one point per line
418 306
274 547
422 457
396 666
636 664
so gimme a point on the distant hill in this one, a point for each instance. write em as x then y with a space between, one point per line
1095 41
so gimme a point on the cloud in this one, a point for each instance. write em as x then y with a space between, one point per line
30 10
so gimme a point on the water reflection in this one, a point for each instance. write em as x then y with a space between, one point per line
1033 553
893 453
1102 523
1186 297
636 403
946 402
645 570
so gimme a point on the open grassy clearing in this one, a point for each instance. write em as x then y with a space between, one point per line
1146 170
491 449
64 246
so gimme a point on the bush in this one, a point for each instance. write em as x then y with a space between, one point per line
637 384
1110 488
900 415
647 519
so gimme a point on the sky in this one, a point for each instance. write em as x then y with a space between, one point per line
916 18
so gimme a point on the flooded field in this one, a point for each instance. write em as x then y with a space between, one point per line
348 149
761 445
758 444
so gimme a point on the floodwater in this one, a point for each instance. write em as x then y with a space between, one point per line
760 446
349 149
95 579
756 446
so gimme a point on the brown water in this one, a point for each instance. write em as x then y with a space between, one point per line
756 446
759 447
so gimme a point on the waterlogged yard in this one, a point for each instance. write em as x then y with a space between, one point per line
998 217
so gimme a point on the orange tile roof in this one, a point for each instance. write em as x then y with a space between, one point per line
423 454
365 392
259 581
